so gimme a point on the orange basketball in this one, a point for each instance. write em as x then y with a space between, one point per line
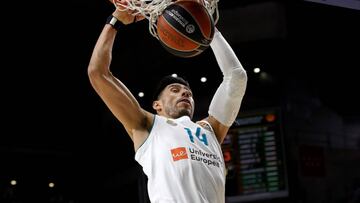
185 28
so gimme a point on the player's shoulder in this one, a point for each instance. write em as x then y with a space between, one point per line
205 124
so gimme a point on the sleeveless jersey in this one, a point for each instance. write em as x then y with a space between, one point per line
183 162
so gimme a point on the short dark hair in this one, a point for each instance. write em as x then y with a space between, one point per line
167 80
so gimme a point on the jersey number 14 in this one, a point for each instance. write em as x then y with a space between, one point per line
200 137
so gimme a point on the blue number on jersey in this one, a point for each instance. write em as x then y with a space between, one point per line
201 137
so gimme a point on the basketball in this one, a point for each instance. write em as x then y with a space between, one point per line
185 28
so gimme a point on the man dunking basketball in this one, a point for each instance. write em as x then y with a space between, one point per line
182 159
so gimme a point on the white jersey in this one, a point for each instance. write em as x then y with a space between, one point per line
183 162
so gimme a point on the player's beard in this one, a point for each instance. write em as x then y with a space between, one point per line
177 113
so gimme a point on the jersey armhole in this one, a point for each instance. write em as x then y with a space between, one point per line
148 137
211 129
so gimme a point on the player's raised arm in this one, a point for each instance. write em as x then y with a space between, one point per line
226 102
112 91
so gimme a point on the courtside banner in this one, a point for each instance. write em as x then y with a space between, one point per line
353 4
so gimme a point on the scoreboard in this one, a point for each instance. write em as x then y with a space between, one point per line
254 157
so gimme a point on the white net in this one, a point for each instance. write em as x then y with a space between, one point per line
152 9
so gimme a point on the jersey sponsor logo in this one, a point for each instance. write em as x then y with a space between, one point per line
179 153
198 155
205 157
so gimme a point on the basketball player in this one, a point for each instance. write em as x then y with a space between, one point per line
181 158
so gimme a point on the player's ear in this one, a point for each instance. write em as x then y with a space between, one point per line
157 106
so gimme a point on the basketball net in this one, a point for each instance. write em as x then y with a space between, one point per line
152 9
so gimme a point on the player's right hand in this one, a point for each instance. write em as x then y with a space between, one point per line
123 14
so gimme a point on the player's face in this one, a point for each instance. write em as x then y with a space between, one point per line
176 100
